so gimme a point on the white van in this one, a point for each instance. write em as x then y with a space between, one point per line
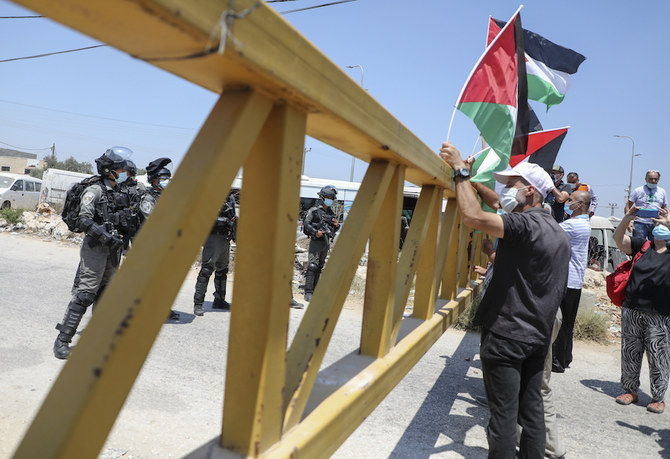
604 255
19 191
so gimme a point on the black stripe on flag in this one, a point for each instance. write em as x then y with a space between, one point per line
554 56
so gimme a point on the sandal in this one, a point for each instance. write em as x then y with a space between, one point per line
656 407
627 398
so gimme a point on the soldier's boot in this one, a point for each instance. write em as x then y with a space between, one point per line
310 280
68 327
200 290
220 291
174 315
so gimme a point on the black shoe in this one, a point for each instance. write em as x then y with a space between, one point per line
296 305
174 315
308 296
221 304
557 368
61 349
198 310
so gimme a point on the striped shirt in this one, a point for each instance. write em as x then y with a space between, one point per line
578 230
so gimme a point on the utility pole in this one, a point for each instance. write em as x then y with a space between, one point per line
353 158
304 155
612 206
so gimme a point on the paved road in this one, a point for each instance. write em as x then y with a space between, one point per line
175 405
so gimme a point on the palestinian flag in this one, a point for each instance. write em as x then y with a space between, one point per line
543 148
548 65
495 94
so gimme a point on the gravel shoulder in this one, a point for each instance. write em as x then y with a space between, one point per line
175 405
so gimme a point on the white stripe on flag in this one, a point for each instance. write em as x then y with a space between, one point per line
560 80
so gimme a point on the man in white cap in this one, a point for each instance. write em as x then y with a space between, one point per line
518 309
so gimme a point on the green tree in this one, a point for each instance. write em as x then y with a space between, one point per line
70 164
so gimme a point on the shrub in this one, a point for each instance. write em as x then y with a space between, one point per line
12 216
591 326
464 321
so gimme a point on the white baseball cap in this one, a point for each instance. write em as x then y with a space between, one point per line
532 173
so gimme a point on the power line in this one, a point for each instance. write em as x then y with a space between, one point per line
316 6
97 117
51 54
195 55
24 148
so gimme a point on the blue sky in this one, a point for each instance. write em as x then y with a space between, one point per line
415 55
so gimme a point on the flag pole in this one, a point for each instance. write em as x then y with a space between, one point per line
460 95
451 123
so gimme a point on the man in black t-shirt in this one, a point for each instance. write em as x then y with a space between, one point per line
518 310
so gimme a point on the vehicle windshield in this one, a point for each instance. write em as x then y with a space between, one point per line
5 182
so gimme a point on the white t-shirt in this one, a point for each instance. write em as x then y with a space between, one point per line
648 198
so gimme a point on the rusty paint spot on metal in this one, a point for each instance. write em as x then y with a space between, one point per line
97 372
179 232
316 341
385 147
325 324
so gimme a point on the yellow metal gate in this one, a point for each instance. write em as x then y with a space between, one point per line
275 88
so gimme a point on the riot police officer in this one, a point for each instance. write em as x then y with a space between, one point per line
101 204
159 177
215 258
320 224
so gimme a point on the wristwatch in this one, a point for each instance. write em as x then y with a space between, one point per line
463 172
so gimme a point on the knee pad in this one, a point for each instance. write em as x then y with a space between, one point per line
83 300
206 271
313 267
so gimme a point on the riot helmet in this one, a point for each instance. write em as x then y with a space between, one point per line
114 158
131 168
328 191
157 170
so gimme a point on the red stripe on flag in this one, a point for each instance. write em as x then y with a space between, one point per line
495 78
537 140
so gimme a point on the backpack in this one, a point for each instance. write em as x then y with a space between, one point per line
72 204
618 280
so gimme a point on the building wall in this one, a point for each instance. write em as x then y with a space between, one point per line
19 165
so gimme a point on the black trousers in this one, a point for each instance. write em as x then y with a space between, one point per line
513 382
562 347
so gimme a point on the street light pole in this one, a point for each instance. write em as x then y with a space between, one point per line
632 157
353 158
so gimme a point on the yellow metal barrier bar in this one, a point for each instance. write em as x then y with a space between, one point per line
381 273
325 428
253 413
449 277
449 219
309 345
267 54
411 253
97 377
425 285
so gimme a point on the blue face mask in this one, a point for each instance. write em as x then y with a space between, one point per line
568 211
163 183
661 232
328 202
123 176
651 186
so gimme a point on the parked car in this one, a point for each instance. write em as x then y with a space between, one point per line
604 255
19 191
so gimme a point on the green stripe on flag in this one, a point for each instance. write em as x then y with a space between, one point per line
495 122
543 91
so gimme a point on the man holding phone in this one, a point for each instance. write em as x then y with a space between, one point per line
648 198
